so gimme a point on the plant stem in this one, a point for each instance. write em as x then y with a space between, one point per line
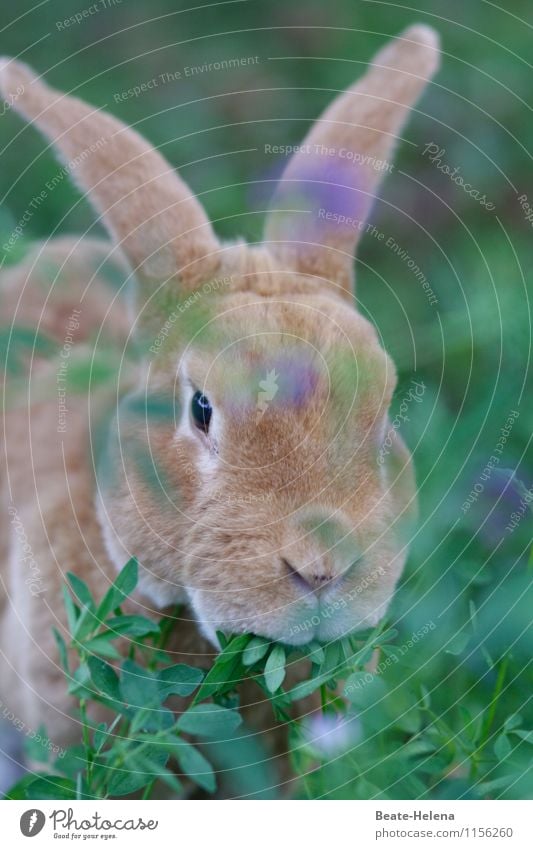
491 713
86 740
502 670
148 789
324 698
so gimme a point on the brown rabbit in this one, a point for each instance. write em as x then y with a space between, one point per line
264 508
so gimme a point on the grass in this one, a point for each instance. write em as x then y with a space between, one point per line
378 734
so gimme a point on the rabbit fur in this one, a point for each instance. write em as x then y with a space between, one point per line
277 519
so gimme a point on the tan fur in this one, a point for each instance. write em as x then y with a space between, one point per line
215 519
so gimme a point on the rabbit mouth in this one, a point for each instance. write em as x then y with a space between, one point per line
327 624
306 608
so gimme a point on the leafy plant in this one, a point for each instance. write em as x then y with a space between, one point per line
333 750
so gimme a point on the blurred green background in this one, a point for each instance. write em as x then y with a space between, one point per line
467 573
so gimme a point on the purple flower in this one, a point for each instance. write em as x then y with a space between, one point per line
330 735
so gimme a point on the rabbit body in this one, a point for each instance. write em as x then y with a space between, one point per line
271 514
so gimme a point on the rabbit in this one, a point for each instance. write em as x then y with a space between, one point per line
264 508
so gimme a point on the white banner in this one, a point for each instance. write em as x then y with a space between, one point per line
231 825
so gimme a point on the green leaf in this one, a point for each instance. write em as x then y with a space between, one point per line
50 787
139 769
473 616
209 721
222 640
101 644
426 698
104 677
384 637
357 680
122 782
367 790
80 590
316 653
255 650
71 609
364 687
154 719
62 649
138 687
18 790
181 680
305 688
527 736
332 658
173 782
275 669
512 721
132 626
458 643
73 762
488 787
502 747
234 648
418 747
100 736
80 683
193 764
122 587
37 748
87 624
226 671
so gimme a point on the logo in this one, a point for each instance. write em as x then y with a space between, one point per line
269 388
32 822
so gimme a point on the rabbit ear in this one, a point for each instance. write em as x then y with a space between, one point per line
321 203
147 208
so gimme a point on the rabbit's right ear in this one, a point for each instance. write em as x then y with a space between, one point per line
322 201
149 211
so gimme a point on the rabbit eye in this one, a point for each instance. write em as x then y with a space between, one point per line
201 411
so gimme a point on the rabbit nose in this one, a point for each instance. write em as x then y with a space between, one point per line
311 579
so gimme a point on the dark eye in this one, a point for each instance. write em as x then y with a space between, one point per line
201 411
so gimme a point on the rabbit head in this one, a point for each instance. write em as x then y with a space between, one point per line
243 472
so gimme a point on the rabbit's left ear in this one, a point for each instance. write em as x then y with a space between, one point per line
321 204
149 211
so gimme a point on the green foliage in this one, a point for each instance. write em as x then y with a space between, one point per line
472 750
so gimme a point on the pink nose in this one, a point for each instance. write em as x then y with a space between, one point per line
311 579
